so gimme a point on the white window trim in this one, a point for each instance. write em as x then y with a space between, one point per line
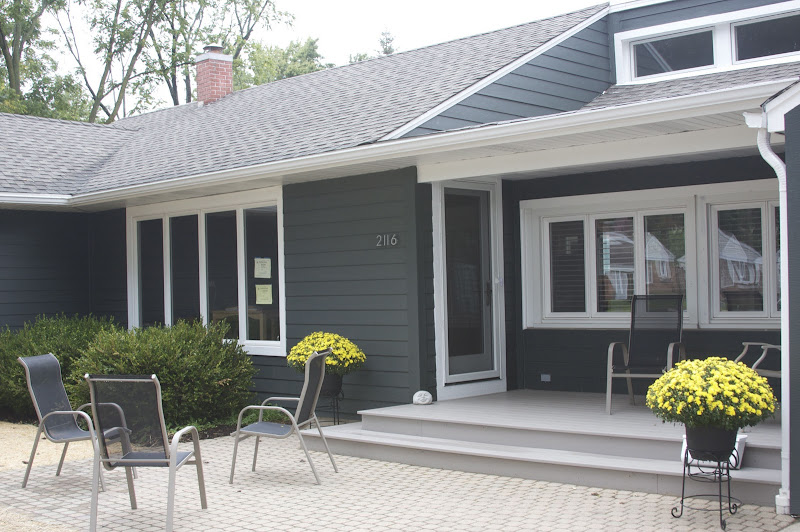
695 202
238 202
724 45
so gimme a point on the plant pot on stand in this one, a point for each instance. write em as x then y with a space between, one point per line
331 391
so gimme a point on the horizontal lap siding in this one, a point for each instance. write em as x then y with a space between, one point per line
53 263
563 78
338 280
664 13
576 359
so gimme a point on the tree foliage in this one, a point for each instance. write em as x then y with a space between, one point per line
261 64
386 47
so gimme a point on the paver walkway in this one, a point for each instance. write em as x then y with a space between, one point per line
364 495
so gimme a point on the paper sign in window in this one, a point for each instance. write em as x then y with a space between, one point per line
263 294
263 269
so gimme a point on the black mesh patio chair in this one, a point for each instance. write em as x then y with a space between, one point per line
128 414
57 420
303 416
654 343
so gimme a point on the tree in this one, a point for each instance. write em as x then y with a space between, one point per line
386 43
262 64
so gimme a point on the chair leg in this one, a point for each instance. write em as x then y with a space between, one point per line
608 394
325 443
308 456
131 491
171 493
96 480
630 389
33 454
201 481
233 460
255 453
61 462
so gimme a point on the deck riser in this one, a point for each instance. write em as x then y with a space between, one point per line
631 447
749 492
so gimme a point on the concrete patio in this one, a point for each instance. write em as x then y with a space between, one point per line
364 495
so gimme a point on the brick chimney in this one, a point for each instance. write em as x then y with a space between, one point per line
214 74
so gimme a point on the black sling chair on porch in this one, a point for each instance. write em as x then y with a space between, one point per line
654 343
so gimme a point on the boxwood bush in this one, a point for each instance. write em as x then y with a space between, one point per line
204 377
66 337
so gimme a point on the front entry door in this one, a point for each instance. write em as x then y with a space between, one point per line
468 267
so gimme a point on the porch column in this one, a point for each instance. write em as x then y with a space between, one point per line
790 308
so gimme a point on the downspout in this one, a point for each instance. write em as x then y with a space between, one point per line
765 149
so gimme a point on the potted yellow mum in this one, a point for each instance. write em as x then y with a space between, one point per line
345 357
713 398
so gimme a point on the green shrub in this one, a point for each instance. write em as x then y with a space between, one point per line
204 377
65 337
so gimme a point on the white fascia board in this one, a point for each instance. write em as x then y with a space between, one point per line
639 149
735 99
623 5
777 107
39 200
485 82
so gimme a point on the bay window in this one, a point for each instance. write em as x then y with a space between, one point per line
214 259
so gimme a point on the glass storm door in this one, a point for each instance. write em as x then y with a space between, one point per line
469 285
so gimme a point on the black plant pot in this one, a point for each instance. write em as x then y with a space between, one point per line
712 444
331 385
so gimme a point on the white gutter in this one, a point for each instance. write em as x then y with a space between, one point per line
39 200
782 499
725 100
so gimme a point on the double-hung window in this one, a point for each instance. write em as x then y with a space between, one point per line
584 257
213 259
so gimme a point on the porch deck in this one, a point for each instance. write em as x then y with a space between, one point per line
554 436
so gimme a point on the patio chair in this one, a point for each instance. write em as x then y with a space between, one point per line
303 417
57 420
766 349
654 342
131 432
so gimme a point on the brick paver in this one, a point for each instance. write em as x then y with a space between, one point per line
365 495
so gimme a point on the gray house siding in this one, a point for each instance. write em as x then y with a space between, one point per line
53 263
576 359
563 78
339 280
793 235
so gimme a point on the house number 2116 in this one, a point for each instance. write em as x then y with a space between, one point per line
386 240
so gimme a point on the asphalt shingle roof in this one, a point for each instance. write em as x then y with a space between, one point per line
617 95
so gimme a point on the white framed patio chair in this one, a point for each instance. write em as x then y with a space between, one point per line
57 420
129 417
303 417
654 343
766 350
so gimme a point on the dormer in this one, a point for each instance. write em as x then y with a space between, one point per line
765 35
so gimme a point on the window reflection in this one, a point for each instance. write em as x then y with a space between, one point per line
665 254
261 237
615 264
223 283
740 260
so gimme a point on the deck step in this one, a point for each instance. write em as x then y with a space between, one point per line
754 485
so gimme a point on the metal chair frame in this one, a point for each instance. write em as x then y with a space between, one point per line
258 429
170 459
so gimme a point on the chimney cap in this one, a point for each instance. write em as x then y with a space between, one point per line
213 48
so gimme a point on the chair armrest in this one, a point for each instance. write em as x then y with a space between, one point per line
173 446
673 349
745 347
765 348
612 347
286 399
262 408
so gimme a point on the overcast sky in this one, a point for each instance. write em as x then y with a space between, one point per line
348 27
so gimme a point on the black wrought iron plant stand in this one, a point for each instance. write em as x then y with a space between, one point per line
717 471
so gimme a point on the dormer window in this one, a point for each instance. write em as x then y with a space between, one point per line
764 35
670 54
768 37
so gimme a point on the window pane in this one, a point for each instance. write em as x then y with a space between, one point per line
740 261
185 260
567 267
151 273
768 37
674 53
614 264
665 254
223 284
261 237
777 214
